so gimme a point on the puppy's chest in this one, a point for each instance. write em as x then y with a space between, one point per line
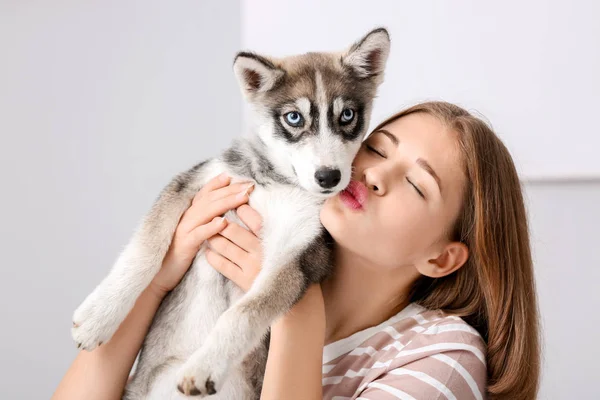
290 222
287 211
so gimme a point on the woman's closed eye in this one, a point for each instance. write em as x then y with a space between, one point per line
420 193
374 150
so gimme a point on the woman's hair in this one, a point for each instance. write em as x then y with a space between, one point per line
494 291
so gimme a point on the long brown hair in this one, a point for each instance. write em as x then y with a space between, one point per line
495 290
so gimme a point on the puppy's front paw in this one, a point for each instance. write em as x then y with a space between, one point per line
198 378
94 322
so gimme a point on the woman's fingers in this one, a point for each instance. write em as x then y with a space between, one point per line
205 210
228 249
250 217
224 266
213 193
223 192
230 202
201 221
237 252
215 183
205 231
241 237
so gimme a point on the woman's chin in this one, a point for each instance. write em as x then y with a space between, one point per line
334 217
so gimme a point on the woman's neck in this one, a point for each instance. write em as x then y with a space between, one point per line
359 294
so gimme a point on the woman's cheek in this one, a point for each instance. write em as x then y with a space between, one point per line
402 232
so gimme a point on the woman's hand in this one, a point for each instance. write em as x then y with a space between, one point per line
198 223
237 252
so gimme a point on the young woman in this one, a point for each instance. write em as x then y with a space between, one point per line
432 295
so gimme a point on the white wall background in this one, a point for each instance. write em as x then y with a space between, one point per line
102 102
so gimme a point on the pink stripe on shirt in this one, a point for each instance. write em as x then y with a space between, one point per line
417 354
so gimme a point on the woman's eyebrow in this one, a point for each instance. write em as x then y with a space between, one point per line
391 136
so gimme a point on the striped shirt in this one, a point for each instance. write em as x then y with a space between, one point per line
417 354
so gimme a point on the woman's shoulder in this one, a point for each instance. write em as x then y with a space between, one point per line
435 327
414 327
418 349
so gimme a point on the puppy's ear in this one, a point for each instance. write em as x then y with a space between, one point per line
367 57
255 73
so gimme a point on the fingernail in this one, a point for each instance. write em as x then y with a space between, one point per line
218 220
223 177
245 192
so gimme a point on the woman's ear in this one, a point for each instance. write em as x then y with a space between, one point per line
453 256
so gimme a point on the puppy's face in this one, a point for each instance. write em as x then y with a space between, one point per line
313 110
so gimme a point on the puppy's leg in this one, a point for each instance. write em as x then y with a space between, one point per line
254 365
286 272
240 329
101 313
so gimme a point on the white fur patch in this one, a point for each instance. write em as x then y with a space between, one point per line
303 105
338 106
321 94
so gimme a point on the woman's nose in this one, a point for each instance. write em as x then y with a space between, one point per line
373 179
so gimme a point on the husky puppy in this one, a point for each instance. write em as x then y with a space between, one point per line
208 337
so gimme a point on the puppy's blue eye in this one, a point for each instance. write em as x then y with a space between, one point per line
294 119
347 115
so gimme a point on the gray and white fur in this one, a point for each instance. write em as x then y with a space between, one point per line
208 337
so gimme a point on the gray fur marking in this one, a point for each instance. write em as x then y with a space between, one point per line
248 158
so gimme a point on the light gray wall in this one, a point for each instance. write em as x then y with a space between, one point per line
564 221
101 103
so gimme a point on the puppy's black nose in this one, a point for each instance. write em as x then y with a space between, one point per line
328 178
